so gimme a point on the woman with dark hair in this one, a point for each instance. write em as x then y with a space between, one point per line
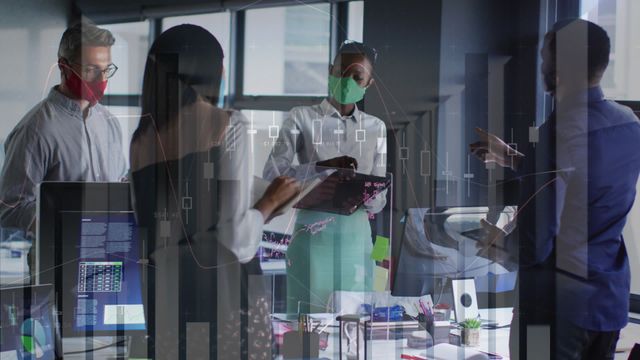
192 178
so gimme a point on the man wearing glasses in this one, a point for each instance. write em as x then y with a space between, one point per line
68 136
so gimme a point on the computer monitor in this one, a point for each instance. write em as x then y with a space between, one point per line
275 241
101 272
28 327
88 246
441 245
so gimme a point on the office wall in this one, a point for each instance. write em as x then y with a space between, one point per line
440 63
407 36
30 32
491 81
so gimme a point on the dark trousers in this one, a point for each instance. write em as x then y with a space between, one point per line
576 343
559 340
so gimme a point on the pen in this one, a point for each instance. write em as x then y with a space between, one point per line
491 355
412 357
424 309
429 307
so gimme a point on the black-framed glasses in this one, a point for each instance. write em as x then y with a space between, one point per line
93 72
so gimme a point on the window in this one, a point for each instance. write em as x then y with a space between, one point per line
218 24
617 17
129 53
286 55
355 24
287 50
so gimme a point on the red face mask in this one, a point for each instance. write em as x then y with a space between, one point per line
89 91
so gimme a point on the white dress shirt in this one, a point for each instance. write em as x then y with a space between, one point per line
316 133
240 226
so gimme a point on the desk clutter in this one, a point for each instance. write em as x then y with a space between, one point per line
307 340
424 327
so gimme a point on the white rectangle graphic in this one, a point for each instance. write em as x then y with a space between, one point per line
404 153
207 169
533 134
425 163
382 145
316 132
123 314
230 138
274 131
165 228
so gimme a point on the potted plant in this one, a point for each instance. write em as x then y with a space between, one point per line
470 332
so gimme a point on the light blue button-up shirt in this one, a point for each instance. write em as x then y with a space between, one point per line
54 143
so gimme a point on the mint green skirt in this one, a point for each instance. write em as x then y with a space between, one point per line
329 252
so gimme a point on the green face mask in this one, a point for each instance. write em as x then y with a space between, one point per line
345 90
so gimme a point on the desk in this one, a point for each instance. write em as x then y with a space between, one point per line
74 348
491 340
496 341
628 337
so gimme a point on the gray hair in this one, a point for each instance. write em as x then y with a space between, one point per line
83 34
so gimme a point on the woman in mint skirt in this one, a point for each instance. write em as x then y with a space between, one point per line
331 252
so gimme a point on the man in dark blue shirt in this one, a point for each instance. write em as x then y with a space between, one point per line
577 186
